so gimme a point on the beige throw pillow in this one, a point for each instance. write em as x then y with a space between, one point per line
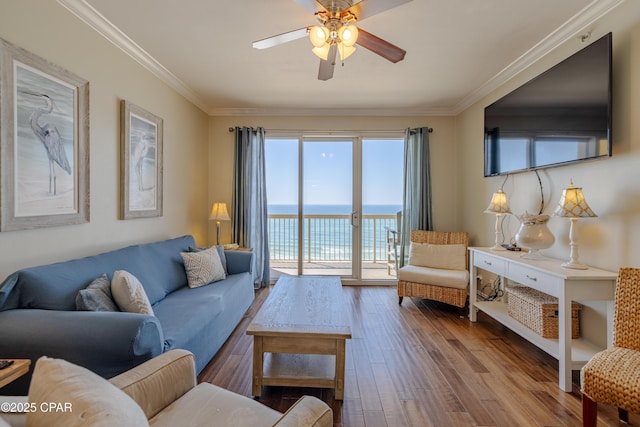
450 257
128 293
203 267
79 398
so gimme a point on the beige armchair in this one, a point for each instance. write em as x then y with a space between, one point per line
437 268
161 392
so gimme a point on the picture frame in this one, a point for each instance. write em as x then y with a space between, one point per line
141 166
44 142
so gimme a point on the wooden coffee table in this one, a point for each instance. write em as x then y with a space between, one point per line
299 335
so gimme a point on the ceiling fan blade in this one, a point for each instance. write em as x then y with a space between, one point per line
367 8
325 72
280 38
382 47
311 5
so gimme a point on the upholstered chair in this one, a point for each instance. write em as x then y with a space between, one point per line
438 268
612 376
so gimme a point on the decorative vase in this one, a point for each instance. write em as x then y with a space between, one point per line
534 235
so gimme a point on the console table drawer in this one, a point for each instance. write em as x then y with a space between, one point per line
489 263
539 280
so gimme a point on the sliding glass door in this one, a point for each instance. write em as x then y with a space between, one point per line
282 170
328 214
382 163
332 201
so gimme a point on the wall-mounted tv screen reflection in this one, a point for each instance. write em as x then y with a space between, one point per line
560 117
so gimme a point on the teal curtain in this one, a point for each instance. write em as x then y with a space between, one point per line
249 217
416 198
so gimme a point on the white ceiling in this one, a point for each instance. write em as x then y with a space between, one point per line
457 51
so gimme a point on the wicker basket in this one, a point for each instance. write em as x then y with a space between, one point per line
539 311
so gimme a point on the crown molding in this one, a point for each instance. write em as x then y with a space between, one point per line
574 26
90 16
578 23
327 112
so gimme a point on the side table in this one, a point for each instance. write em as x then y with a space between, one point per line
15 371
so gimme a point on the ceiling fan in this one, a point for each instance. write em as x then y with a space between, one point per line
337 33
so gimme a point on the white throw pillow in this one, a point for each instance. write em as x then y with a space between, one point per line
128 293
66 395
450 257
203 267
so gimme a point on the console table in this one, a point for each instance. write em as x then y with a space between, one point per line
548 276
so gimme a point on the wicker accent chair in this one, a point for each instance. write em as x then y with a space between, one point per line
612 376
436 285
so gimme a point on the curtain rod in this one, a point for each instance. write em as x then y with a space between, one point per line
430 130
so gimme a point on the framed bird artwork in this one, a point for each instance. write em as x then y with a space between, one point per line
44 142
141 137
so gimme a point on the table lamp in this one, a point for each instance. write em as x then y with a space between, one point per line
573 205
219 213
498 206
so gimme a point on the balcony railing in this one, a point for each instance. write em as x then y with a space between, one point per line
328 237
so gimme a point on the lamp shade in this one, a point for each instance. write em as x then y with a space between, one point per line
348 35
498 204
322 52
345 51
219 212
318 35
573 204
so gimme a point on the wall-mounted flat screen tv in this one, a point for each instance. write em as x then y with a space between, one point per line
560 117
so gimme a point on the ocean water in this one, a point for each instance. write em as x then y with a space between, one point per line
327 232
334 209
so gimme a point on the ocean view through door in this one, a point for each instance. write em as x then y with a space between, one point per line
350 191
330 219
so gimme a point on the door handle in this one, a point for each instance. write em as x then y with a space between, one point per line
355 219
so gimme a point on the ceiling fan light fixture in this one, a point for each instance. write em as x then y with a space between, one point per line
345 51
318 36
322 52
348 35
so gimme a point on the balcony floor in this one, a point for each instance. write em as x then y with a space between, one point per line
370 270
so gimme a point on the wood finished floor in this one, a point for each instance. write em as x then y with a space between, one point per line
419 364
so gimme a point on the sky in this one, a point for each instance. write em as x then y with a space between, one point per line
328 172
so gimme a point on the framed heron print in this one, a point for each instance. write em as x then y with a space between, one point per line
44 142
141 162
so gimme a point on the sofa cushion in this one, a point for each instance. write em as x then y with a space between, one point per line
210 405
188 313
203 267
81 398
96 296
129 294
201 319
434 276
451 257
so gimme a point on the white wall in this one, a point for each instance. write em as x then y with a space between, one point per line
47 29
611 186
442 147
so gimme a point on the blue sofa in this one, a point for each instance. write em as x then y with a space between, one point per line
38 314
